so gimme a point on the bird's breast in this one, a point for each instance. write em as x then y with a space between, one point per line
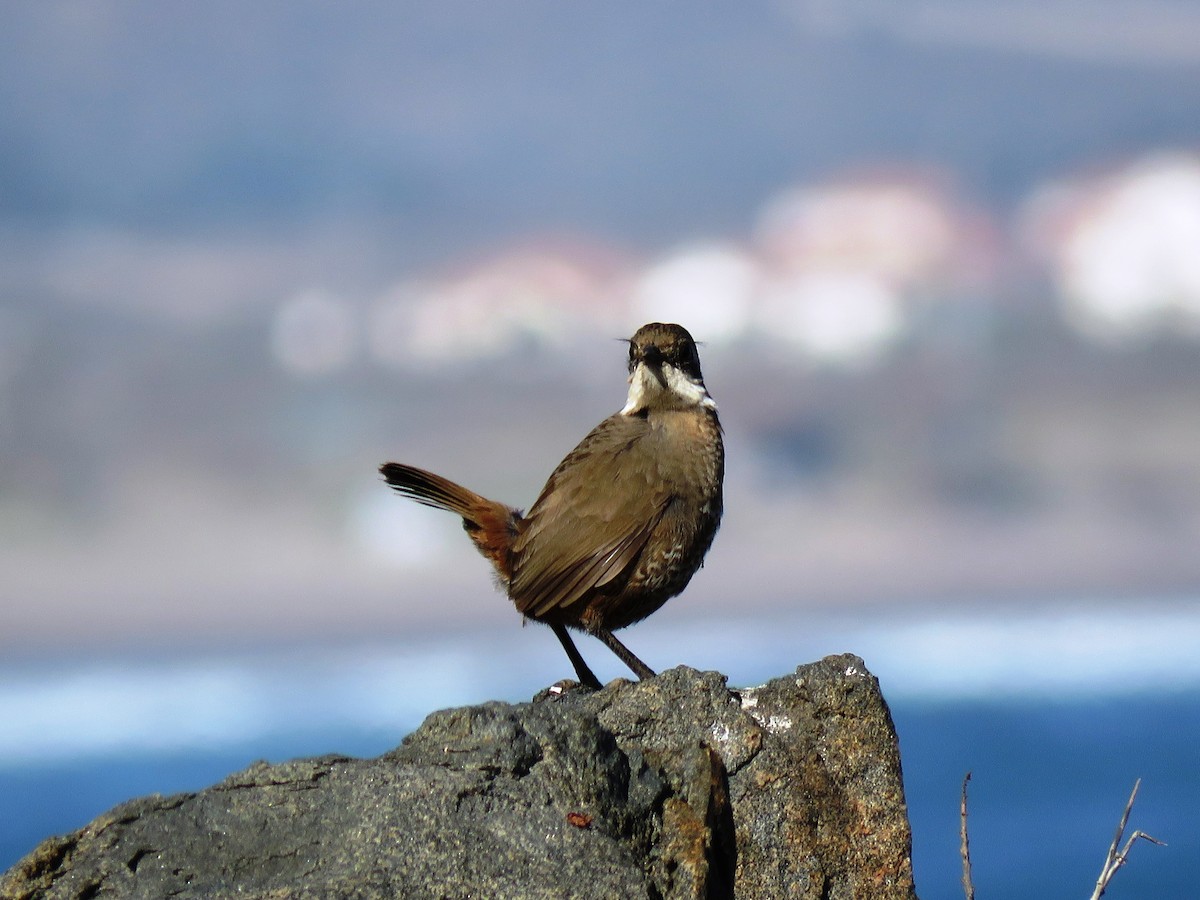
688 453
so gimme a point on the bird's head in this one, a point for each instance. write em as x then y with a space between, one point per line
664 371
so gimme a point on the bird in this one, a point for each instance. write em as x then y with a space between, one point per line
623 522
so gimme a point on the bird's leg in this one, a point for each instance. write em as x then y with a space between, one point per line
586 675
640 669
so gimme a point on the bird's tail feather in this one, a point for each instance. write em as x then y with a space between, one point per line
432 490
491 526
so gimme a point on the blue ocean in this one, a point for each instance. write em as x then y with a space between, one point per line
1055 714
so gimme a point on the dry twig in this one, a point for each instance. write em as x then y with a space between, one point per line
1118 857
965 848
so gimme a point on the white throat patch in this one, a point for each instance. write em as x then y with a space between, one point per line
644 387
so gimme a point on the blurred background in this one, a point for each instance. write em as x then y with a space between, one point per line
944 260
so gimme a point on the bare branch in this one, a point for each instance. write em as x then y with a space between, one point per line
965 849
1118 857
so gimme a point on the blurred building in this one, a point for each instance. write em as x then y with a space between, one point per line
851 264
542 294
1122 247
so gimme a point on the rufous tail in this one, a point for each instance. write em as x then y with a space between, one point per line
491 525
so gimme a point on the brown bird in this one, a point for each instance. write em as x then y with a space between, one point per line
625 520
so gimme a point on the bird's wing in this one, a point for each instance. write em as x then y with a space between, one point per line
591 522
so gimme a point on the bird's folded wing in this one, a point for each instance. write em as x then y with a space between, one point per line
591 523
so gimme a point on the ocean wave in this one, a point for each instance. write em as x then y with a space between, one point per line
122 707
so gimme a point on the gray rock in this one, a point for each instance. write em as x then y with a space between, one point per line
670 788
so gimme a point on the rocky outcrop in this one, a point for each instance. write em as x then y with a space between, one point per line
670 788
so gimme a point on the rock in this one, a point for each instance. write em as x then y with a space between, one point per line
676 787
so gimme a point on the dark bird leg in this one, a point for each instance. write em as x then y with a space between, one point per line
586 675
640 669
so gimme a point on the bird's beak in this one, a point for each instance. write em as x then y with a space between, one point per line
652 360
